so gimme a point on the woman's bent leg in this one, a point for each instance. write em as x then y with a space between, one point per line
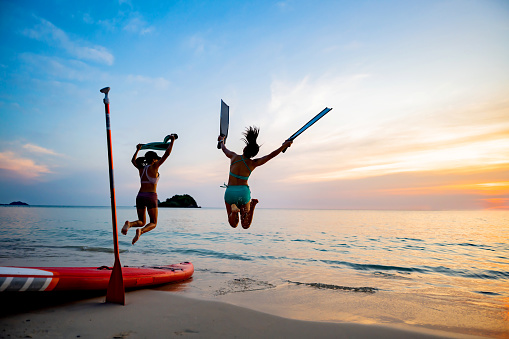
247 212
138 223
233 217
152 213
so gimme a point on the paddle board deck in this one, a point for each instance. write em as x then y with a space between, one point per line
19 279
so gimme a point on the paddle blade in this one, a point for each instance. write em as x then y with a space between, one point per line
224 121
116 292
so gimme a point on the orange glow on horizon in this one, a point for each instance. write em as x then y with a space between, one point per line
491 188
496 203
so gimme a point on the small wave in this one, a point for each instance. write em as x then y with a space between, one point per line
472 273
211 271
337 287
411 239
303 240
480 246
487 293
369 267
476 274
92 249
467 244
391 275
270 257
213 254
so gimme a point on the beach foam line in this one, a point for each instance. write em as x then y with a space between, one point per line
158 314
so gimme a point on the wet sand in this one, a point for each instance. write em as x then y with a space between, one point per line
162 314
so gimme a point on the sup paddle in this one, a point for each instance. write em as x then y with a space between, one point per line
160 146
115 292
224 121
309 124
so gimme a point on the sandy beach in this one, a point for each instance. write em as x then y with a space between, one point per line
161 314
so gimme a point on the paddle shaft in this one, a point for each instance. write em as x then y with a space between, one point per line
115 292
309 124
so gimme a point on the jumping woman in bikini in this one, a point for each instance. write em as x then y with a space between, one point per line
147 196
237 197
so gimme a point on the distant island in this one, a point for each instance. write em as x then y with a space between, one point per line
16 203
184 200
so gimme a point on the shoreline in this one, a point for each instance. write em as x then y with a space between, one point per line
161 314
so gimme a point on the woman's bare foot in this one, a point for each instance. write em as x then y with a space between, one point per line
137 236
235 209
253 203
125 228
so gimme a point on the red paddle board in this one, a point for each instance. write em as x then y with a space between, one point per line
19 279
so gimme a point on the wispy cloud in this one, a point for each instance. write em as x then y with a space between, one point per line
458 140
284 5
158 83
483 188
41 150
60 68
22 167
296 100
496 203
137 25
197 43
47 32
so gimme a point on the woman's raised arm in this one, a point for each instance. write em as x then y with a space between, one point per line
263 160
166 153
133 160
225 150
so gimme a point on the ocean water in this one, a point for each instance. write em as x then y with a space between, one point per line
445 270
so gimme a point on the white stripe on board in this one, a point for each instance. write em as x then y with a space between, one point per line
46 284
6 284
23 271
27 285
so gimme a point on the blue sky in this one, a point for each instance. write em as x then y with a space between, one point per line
419 91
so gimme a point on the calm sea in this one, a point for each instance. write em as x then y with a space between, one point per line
446 270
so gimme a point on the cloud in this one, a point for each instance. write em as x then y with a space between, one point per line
284 5
139 26
350 146
38 149
158 83
484 188
127 2
47 32
496 203
297 100
21 167
387 159
60 68
196 43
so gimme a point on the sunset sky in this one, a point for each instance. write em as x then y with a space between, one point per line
419 91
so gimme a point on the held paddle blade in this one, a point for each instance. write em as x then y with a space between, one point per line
224 121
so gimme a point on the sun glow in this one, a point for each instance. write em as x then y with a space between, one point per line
492 188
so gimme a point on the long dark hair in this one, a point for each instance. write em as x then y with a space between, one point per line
151 156
252 147
140 162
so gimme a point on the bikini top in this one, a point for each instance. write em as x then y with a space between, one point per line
240 176
149 180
